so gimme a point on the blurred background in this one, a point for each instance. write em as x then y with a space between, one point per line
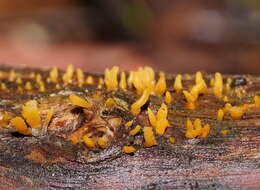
170 35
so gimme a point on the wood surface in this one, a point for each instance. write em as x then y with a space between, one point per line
218 162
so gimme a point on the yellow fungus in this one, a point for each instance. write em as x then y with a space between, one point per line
220 115
48 80
228 85
38 78
80 77
129 123
224 132
168 97
225 99
57 86
196 130
100 81
5 119
102 143
111 78
143 79
109 103
67 76
236 112
190 134
31 114
136 106
90 80
152 117
178 83
20 126
89 142
198 89
136 130
190 100
172 140
129 149
227 107
78 101
159 122
191 106
2 74
202 86
28 86
161 125
211 82
3 86
160 86
49 116
218 85
256 100
12 75
162 112
238 93
189 125
188 96
19 81
122 83
205 131
197 126
32 75
74 139
41 86
130 79
53 76
149 137
198 77
246 106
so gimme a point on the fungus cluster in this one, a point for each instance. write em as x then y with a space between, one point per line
144 82
196 129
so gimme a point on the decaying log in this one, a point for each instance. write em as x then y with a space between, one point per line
230 161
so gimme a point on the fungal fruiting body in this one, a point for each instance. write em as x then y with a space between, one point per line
168 97
129 123
160 86
136 107
136 130
109 103
111 78
200 87
67 76
54 75
140 106
220 115
143 79
196 129
236 112
80 77
159 121
78 101
122 83
149 137
218 85
31 114
102 143
129 149
88 141
20 125
178 83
